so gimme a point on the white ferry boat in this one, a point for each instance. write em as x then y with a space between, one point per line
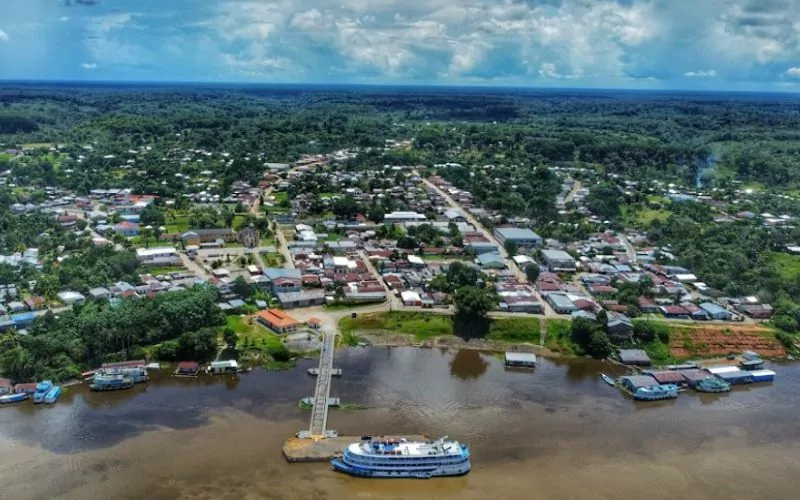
404 459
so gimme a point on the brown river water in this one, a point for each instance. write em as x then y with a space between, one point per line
558 432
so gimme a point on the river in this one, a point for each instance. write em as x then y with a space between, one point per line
558 432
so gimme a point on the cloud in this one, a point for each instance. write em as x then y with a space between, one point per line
3 36
63 19
701 74
793 72
89 65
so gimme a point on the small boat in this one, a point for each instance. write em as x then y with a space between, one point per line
42 388
153 366
608 380
53 395
13 398
363 344
656 392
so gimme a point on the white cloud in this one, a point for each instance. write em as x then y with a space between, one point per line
89 65
3 36
701 74
63 19
793 72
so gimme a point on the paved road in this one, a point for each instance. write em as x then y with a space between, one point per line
575 187
394 302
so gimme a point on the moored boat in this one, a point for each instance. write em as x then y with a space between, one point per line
53 395
713 384
390 458
42 388
153 366
608 380
13 398
656 392
111 382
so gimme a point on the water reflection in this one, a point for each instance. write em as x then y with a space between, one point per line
468 364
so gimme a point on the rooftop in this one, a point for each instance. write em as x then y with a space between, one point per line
278 318
517 233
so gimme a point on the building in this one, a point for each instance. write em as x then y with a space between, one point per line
157 255
100 293
5 386
560 303
716 312
248 237
277 321
126 228
520 359
314 323
480 247
634 357
399 217
454 215
522 237
619 326
70 297
491 261
410 298
201 236
558 260
305 298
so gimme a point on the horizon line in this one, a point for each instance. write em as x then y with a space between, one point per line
484 86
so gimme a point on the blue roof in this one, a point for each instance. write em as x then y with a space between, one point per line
490 258
517 233
23 317
713 309
274 273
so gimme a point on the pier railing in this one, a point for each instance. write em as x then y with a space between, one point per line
319 413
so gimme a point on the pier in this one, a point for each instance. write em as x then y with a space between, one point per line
319 413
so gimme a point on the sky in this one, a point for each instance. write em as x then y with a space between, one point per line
658 44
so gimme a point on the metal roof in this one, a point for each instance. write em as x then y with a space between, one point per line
521 357
517 233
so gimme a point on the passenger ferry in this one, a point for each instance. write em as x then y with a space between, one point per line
42 388
389 458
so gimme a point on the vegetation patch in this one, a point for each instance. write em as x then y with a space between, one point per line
788 266
422 325
558 338
515 330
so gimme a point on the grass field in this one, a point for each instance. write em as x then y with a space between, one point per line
273 259
251 333
649 215
177 222
788 266
558 336
515 330
421 325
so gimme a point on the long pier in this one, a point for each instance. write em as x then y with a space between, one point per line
319 413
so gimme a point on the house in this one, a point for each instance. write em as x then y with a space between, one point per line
126 228
70 297
100 293
410 298
674 312
634 357
35 302
558 260
491 261
25 388
16 306
647 306
522 237
363 294
305 298
67 220
314 323
480 247
716 312
619 326
277 321
635 382
695 312
283 280
560 303
455 215
157 255
399 217
211 235
248 237
756 311
5 386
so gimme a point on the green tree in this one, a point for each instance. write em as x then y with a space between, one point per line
511 247
242 288
471 301
532 271
230 337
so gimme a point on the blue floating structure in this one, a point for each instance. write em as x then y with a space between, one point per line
762 375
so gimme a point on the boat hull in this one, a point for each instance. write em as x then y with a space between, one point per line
13 398
427 473
53 395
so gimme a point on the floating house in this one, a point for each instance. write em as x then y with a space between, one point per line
636 382
187 369
220 367
694 377
668 377
25 388
732 375
521 359
5 386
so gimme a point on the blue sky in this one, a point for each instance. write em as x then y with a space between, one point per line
702 44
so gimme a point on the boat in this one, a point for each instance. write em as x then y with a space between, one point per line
153 366
223 367
88 375
111 382
656 392
335 372
53 395
13 398
713 384
391 458
608 380
42 388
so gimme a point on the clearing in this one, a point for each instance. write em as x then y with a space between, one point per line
788 266
720 340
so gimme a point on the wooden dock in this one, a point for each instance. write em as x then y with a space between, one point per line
323 450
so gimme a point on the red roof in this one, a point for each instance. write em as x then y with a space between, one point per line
674 310
188 365
4 382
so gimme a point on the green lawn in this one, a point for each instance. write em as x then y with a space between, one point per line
421 325
515 330
649 215
252 333
273 259
280 196
177 222
788 266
